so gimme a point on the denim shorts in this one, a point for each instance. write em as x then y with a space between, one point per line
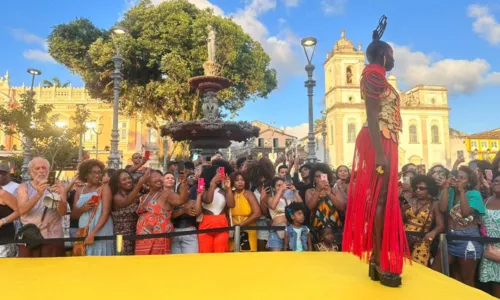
262 234
274 241
465 249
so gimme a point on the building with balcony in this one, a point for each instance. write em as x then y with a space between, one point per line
483 145
135 136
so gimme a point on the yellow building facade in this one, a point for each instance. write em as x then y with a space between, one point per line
135 136
483 145
424 109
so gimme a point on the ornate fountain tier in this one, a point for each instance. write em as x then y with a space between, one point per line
210 133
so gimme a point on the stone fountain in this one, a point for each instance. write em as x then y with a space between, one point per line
211 132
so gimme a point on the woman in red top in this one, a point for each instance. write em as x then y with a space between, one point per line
373 220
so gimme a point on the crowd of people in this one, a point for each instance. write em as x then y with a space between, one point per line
309 200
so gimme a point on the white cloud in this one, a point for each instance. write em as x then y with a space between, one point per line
27 37
39 55
458 75
280 47
291 3
30 38
485 23
333 7
298 131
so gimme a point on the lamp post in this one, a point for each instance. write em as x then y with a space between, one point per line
27 140
114 159
97 131
309 45
165 153
80 107
323 125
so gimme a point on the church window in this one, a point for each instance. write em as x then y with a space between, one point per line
494 145
90 132
473 145
348 72
484 145
435 134
413 134
351 133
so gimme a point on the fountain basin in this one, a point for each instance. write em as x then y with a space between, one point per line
207 83
210 134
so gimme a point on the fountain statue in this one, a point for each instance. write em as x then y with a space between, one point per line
211 133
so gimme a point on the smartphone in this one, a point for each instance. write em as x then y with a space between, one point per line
180 167
460 153
454 174
94 199
146 154
489 174
421 169
288 178
324 177
407 180
222 173
52 178
201 184
473 166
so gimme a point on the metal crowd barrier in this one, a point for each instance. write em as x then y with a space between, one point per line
443 239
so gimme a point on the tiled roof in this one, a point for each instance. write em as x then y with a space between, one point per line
491 134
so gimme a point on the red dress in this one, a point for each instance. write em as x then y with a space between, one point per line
153 219
364 193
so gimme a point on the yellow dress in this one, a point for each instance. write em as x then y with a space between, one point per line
241 211
420 222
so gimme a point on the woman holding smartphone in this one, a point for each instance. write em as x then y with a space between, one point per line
277 209
215 203
464 205
93 210
322 201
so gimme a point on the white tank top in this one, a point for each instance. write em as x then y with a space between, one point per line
218 204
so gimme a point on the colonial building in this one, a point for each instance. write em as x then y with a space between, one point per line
483 145
424 109
135 136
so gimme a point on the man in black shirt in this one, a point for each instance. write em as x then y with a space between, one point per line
184 220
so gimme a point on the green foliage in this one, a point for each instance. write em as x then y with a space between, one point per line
57 145
166 45
55 82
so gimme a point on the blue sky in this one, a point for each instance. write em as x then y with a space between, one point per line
452 43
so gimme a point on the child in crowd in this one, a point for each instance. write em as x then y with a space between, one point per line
327 238
297 237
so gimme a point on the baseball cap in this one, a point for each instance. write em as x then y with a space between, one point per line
4 168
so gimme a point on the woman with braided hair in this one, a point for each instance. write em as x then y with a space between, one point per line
373 221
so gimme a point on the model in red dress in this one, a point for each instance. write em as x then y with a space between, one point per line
374 223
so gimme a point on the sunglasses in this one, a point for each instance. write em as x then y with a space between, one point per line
421 188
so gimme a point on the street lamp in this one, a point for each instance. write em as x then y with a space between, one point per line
323 125
114 159
80 107
309 45
27 140
165 153
97 131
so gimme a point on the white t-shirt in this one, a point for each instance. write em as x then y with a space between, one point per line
298 232
11 187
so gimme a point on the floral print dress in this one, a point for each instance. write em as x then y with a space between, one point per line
153 219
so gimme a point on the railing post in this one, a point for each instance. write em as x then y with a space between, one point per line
237 237
119 244
443 247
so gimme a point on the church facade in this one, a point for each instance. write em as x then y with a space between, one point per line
424 109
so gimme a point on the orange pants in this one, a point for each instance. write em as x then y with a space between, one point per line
213 242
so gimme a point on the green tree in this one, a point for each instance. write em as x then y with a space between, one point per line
57 145
55 82
166 45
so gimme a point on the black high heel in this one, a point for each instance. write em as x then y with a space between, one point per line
388 279
372 272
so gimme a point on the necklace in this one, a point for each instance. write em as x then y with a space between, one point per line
426 203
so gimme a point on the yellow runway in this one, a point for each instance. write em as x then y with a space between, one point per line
234 276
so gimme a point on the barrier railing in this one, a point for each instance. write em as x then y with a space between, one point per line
443 239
